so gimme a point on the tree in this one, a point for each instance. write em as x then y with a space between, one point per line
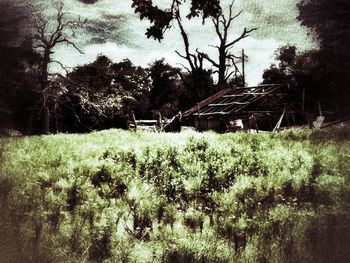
90 101
330 23
166 89
101 95
18 67
46 36
136 81
161 21
305 84
222 25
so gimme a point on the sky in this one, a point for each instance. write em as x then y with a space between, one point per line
113 29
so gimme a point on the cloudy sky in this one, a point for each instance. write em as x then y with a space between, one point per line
114 30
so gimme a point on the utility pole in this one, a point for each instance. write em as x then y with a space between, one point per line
243 70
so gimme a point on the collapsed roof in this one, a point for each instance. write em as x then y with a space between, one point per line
267 99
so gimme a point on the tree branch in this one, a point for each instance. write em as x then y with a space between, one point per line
243 35
178 53
68 42
62 66
205 56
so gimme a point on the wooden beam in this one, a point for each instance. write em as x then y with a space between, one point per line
253 93
147 122
212 113
227 104
278 124
268 111
233 95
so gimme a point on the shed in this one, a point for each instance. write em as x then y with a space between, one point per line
263 107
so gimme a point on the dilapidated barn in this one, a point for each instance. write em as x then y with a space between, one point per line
263 107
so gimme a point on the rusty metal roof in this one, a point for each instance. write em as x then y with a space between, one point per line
237 100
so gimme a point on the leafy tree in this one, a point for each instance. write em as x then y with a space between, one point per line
330 23
18 67
166 88
198 84
136 81
101 94
88 101
300 72
161 19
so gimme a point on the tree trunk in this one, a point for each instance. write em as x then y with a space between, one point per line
222 67
45 112
45 119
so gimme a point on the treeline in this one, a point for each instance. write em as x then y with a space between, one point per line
99 95
320 78
104 94
94 96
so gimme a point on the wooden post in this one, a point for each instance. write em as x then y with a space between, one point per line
278 124
134 119
243 69
303 102
159 119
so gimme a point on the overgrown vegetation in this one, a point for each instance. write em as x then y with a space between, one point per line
118 196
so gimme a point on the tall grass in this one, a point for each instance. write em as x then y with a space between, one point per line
118 196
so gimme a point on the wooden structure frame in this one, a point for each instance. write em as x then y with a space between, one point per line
258 107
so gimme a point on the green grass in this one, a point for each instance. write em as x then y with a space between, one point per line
119 196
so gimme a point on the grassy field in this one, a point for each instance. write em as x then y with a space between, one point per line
119 196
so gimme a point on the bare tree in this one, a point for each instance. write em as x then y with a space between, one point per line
222 25
195 60
47 35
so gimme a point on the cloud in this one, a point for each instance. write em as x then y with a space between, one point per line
89 2
103 30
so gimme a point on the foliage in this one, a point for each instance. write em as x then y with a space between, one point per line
307 84
161 19
101 95
329 24
18 68
117 196
166 88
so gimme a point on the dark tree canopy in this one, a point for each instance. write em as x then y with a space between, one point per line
166 88
101 95
330 21
306 83
161 19
18 67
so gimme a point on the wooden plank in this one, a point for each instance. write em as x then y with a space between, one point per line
233 95
253 93
211 113
335 122
146 121
278 124
227 104
205 102
268 111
